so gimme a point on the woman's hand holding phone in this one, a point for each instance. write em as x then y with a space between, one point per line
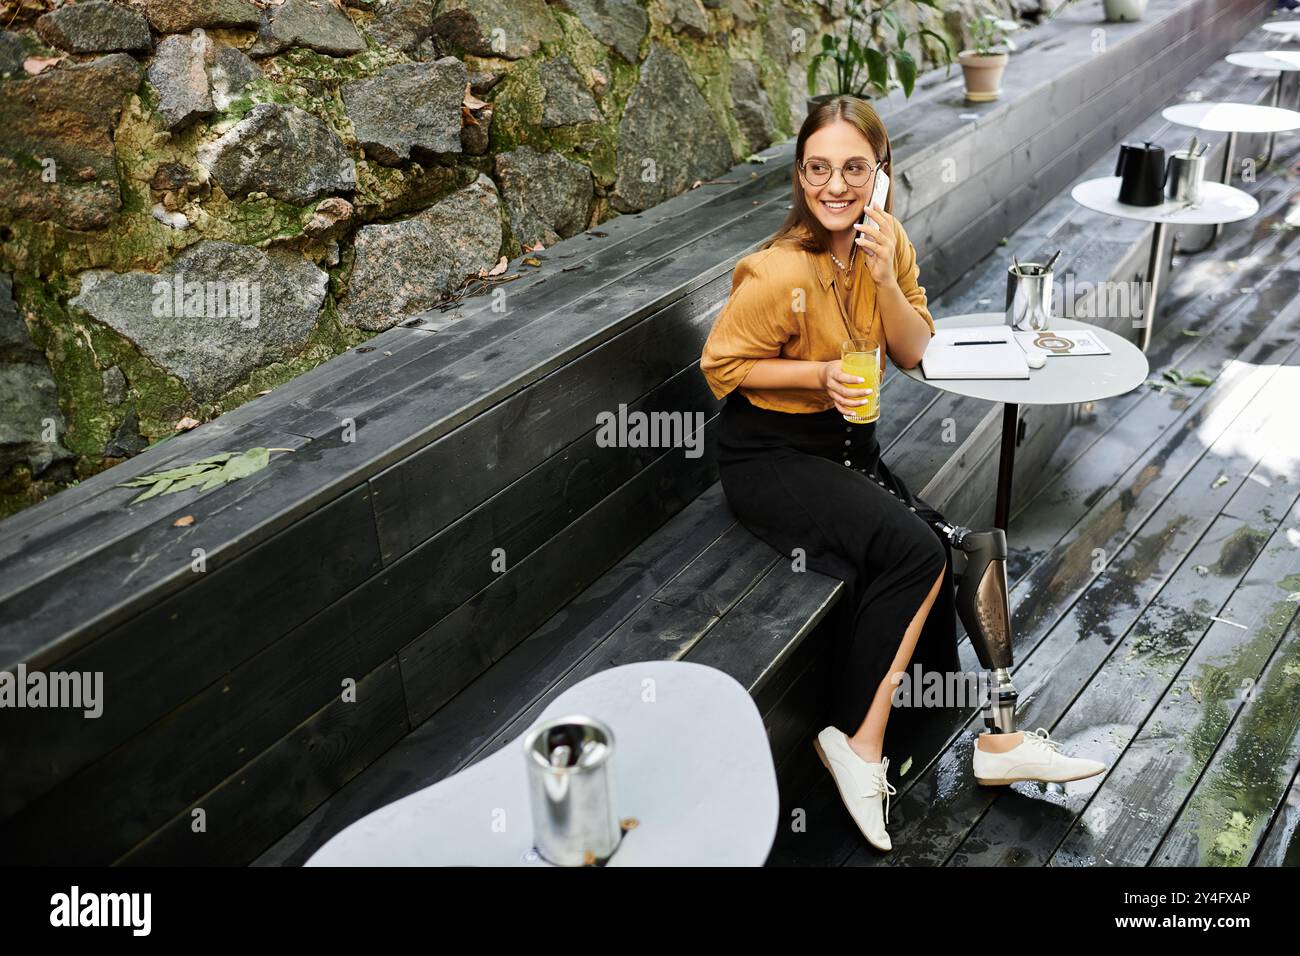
877 241
835 381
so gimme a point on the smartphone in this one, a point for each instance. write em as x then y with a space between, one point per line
879 192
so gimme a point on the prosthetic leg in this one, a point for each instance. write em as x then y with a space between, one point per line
984 610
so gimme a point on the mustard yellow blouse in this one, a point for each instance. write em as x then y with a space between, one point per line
786 303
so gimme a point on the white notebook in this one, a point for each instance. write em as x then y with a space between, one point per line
944 358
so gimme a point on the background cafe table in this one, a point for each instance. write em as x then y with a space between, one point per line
1284 62
1063 380
1231 118
1288 28
1218 203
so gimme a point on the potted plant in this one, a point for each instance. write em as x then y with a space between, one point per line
874 65
1124 9
983 65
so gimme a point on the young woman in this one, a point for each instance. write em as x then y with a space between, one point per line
810 483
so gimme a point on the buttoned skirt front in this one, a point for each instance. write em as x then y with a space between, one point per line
815 488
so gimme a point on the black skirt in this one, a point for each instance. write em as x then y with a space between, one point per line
814 487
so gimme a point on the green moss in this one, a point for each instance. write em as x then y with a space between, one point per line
79 349
1236 798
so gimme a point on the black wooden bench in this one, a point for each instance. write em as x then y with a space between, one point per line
371 560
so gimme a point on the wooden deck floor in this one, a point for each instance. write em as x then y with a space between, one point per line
1156 585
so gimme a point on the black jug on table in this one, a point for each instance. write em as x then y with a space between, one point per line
1142 174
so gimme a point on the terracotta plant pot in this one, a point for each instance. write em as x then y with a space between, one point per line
983 74
1124 9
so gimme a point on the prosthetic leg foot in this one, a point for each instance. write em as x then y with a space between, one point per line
984 611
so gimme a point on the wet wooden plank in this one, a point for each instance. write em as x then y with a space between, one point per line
1091 457
933 828
84 539
285 782
651 368
1091 676
1281 844
760 633
716 579
176 648
1127 815
453 650
430 753
1226 816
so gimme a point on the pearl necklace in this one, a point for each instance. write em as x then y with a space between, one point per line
842 266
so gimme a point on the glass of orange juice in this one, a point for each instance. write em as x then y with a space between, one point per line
861 358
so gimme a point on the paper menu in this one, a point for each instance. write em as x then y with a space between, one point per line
1062 342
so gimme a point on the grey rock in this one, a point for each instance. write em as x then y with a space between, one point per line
687 16
410 106
316 24
282 151
743 12
482 81
65 118
512 29
30 400
684 143
750 106
95 27
621 24
568 100
780 31
241 308
404 267
114 385
11 53
126 440
179 74
547 195
404 24
14 337
181 16
231 71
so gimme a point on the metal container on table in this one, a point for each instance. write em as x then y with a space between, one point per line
1186 173
1029 296
571 791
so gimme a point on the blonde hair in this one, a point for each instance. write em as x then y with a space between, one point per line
801 226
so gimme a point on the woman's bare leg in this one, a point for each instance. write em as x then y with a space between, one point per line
869 740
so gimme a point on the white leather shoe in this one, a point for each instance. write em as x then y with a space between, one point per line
1037 757
861 785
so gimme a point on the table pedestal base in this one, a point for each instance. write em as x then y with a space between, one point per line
1006 465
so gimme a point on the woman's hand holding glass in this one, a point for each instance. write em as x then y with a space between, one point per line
836 382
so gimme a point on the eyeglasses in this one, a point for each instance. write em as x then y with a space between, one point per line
856 172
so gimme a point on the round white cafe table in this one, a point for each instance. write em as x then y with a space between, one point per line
1283 62
1218 204
1231 118
1063 380
691 763
1288 28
